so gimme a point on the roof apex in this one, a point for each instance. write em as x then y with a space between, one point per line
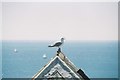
64 60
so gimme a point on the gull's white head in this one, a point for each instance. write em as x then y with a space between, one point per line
62 39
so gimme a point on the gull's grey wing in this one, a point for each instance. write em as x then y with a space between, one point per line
57 44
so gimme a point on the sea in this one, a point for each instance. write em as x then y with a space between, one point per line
98 59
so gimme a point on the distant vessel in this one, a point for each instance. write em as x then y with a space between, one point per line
15 50
44 56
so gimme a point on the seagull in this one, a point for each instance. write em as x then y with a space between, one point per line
57 44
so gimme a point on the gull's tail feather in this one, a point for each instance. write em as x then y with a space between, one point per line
50 46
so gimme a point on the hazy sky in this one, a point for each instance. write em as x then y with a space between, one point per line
51 21
0 21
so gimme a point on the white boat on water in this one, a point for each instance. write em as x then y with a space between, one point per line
44 56
15 50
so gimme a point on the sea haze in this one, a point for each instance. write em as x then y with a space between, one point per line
96 59
0 59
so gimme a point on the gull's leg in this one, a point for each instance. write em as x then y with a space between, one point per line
59 50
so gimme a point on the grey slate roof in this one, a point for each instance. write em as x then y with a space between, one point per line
60 67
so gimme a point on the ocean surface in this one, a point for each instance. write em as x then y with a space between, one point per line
0 59
97 59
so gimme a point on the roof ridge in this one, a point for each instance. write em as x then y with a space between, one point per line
65 61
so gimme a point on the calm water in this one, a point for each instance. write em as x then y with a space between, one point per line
96 59
0 59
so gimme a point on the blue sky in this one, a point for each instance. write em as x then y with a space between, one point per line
50 21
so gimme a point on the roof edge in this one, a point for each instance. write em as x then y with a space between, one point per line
65 61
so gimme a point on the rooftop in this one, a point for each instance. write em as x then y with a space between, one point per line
60 67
